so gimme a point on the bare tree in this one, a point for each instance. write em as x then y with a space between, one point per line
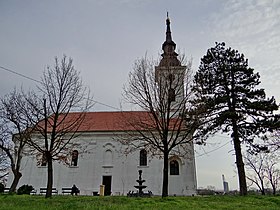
15 131
4 163
4 166
263 170
255 165
163 130
167 127
63 92
272 171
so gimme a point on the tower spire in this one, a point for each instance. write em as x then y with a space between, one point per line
169 55
168 30
168 39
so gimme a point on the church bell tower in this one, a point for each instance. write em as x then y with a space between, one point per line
170 74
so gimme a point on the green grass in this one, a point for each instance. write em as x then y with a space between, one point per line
26 202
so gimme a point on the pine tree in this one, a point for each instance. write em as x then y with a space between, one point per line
228 100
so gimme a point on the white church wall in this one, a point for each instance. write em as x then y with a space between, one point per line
103 157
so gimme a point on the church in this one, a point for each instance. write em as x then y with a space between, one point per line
100 160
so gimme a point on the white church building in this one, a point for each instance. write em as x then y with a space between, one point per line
103 162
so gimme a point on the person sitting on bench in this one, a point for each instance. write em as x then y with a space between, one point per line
74 190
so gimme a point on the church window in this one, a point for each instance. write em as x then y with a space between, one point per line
108 158
174 167
171 78
44 160
143 157
75 155
171 94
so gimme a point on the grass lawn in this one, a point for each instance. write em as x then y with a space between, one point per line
31 202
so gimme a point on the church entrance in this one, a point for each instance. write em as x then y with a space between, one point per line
107 181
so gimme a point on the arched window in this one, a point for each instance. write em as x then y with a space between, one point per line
143 157
174 167
75 156
108 158
171 78
171 95
44 160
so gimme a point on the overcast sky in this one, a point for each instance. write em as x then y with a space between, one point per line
104 37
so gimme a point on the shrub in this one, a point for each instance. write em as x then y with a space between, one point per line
25 189
2 187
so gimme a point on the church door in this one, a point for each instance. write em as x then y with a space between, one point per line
107 181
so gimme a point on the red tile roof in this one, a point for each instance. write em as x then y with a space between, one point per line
109 121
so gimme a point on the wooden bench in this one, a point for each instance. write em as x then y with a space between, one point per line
67 190
44 190
6 190
33 192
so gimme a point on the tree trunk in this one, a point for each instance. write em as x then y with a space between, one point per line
165 175
262 185
17 176
239 161
263 191
261 188
50 176
274 190
273 187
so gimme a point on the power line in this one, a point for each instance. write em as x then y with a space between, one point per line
35 80
19 74
105 104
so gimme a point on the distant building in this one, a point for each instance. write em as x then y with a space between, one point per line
103 161
225 184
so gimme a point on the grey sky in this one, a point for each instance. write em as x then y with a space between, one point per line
104 37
